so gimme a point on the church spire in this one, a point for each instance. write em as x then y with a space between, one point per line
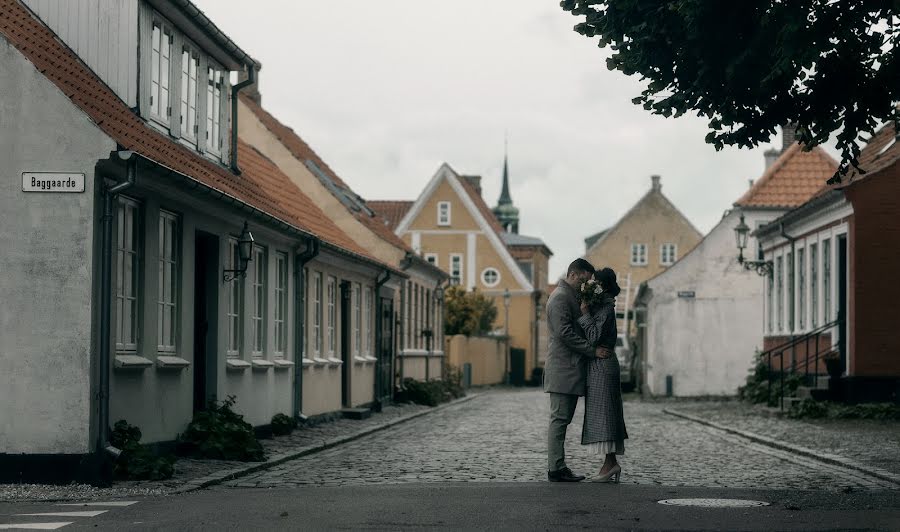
505 212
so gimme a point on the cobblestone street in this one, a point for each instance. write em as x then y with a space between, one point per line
501 436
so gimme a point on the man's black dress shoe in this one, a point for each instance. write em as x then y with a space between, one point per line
563 475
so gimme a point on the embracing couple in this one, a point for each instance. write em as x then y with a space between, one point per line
582 362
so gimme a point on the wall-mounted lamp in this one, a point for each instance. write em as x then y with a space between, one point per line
741 232
245 255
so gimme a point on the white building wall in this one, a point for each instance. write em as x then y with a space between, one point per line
706 343
104 34
48 248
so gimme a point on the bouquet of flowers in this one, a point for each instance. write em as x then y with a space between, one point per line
591 292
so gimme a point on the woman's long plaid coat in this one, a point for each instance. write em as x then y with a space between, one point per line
604 419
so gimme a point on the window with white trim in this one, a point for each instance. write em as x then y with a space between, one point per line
456 267
166 302
490 277
281 304
317 314
161 40
369 321
770 299
779 292
443 213
826 280
128 260
638 254
432 258
258 305
668 254
190 67
332 315
801 288
813 285
214 108
790 289
356 297
234 304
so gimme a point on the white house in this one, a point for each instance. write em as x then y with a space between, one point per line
700 321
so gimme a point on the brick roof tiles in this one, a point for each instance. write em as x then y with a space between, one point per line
262 186
881 150
391 211
795 177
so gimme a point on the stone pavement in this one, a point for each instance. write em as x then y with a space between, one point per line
501 436
871 442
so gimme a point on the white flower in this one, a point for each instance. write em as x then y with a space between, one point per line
598 290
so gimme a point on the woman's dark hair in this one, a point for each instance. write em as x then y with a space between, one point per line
607 279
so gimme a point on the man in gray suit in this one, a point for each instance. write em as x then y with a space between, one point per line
566 366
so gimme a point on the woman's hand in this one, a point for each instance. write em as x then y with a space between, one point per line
603 352
585 309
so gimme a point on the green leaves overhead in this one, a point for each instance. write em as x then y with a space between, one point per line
830 66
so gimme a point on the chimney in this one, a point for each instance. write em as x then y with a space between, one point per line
788 135
251 91
475 181
771 156
655 180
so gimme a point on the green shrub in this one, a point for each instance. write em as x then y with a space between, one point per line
221 434
433 392
138 462
756 390
282 424
453 384
810 409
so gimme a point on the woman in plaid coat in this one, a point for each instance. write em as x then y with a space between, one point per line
604 420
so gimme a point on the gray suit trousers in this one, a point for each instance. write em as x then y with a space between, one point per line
562 410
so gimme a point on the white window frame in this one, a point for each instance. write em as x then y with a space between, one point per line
128 275
331 302
161 73
813 285
369 320
484 275
279 348
828 283
188 121
258 276
456 267
432 258
779 293
770 300
215 107
168 278
318 313
638 254
356 300
801 293
234 305
443 213
668 254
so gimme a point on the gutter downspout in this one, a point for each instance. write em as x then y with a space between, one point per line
379 338
793 287
251 79
108 195
300 260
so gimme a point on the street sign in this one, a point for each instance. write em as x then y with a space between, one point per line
689 294
52 182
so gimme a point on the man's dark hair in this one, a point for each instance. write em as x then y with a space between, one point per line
580 265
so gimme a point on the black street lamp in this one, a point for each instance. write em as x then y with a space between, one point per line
245 255
741 232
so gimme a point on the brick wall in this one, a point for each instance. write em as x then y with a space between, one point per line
800 352
874 256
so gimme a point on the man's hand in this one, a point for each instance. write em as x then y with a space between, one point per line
603 352
585 309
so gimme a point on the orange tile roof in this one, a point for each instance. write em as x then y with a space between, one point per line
881 150
303 152
260 186
391 211
793 178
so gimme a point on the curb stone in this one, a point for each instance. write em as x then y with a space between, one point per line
832 459
231 474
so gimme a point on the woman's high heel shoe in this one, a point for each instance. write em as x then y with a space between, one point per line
610 476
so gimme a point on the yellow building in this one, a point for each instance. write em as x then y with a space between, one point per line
451 226
648 239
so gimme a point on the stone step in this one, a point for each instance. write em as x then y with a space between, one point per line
356 413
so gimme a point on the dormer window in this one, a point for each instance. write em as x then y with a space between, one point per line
190 69
214 80
160 55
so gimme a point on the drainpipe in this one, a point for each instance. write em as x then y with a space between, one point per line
793 277
251 79
300 260
106 255
380 281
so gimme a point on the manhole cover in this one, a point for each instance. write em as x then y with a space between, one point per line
714 503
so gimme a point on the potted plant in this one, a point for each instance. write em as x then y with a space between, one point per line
833 364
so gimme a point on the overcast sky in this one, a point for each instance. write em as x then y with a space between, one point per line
386 91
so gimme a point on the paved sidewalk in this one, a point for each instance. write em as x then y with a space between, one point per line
191 474
870 442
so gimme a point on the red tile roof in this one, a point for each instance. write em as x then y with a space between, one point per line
303 152
261 186
881 150
391 211
793 178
